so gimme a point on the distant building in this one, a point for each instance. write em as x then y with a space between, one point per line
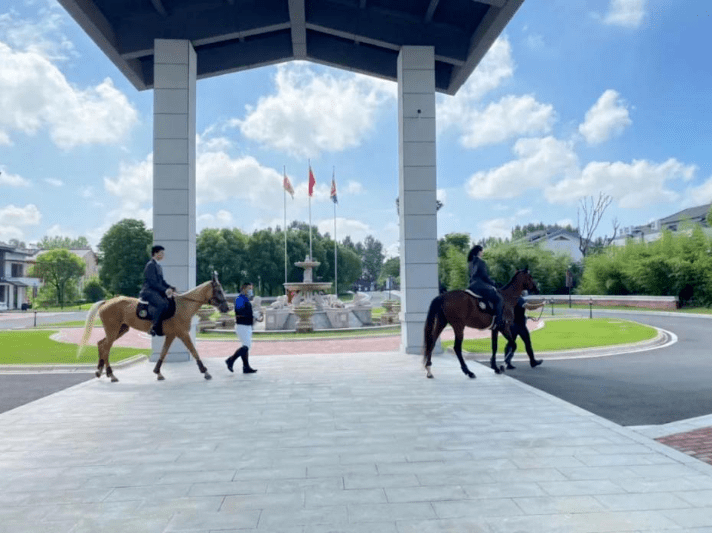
675 223
557 240
16 287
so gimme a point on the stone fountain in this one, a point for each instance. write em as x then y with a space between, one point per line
311 309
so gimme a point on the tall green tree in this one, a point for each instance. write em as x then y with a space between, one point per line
124 250
93 291
59 268
48 243
709 216
224 251
391 268
264 267
372 258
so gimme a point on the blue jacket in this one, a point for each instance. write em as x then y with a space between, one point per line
243 310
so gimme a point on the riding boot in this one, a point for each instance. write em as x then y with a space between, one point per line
246 364
231 360
156 329
499 321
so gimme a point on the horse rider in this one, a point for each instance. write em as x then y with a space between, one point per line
156 291
482 284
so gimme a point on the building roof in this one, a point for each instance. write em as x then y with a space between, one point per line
698 212
550 235
359 35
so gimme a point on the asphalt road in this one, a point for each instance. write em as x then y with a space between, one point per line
18 389
12 320
644 388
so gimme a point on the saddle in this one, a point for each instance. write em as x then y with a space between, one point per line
484 305
145 311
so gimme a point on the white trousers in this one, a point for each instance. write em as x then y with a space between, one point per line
244 332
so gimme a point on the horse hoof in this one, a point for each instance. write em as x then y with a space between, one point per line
160 377
207 375
429 376
98 374
536 362
471 375
114 379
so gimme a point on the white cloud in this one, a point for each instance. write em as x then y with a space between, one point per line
500 227
632 185
42 35
357 230
606 118
352 187
34 94
441 195
539 162
311 113
221 219
58 230
54 182
628 13
495 67
701 194
14 219
13 180
134 184
512 116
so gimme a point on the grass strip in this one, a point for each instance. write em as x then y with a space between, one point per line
570 334
35 347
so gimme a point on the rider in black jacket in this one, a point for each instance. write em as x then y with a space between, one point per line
482 284
156 291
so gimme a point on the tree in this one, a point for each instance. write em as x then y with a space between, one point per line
372 258
460 241
391 268
265 264
58 268
224 251
349 267
709 216
125 248
48 243
93 292
15 243
592 214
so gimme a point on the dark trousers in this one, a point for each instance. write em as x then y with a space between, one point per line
490 294
157 306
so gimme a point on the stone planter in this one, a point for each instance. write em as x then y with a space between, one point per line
304 322
391 315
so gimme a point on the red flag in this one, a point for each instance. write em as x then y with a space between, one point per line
334 199
288 185
312 182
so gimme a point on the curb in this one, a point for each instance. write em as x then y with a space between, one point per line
68 368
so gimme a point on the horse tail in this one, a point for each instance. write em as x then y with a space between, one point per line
88 326
436 315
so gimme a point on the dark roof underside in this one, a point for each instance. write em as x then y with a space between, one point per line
360 35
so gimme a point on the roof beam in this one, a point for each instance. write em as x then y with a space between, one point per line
362 4
297 17
159 7
496 3
431 11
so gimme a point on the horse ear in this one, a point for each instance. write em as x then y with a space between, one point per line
215 276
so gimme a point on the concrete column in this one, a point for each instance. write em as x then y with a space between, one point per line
417 191
174 98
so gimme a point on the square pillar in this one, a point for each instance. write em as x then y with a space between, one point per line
174 100
417 191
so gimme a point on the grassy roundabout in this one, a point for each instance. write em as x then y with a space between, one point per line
35 347
570 334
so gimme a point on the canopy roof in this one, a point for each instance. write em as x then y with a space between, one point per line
359 35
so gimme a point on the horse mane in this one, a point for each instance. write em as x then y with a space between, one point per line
196 289
512 280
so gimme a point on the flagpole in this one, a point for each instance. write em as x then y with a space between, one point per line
310 232
336 277
284 192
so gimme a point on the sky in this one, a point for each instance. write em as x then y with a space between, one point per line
576 98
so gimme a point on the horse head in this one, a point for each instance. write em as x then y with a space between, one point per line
528 283
218 295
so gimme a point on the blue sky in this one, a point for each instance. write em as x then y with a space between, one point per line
577 97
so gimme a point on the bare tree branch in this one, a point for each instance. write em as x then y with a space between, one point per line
593 211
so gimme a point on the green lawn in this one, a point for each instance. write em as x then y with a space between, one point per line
35 347
568 334
559 308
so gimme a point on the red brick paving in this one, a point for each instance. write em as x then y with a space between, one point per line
696 443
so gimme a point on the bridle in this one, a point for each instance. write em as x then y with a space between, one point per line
214 301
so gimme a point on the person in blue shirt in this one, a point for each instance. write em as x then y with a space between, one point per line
244 319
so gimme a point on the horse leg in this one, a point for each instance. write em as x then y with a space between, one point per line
185 338
459 335
438 328
509 354
164 351
100 365
528 345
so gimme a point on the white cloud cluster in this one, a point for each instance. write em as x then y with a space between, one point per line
13 180
311 113
41 35
511 116
13 220
627 13
34 94
607 117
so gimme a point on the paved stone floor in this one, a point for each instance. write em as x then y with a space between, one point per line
353 442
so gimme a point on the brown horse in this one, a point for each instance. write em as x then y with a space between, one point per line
460 309
119 314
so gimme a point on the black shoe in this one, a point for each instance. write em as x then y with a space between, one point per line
152 332
229 362
248 370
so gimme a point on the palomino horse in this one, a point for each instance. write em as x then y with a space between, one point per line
119 314
460 309
518 328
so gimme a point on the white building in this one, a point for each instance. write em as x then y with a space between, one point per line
15 286
680 221
555 240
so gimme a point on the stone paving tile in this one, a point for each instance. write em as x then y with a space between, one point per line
315 497
425 494
640 501
559 505
476 508
362 513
